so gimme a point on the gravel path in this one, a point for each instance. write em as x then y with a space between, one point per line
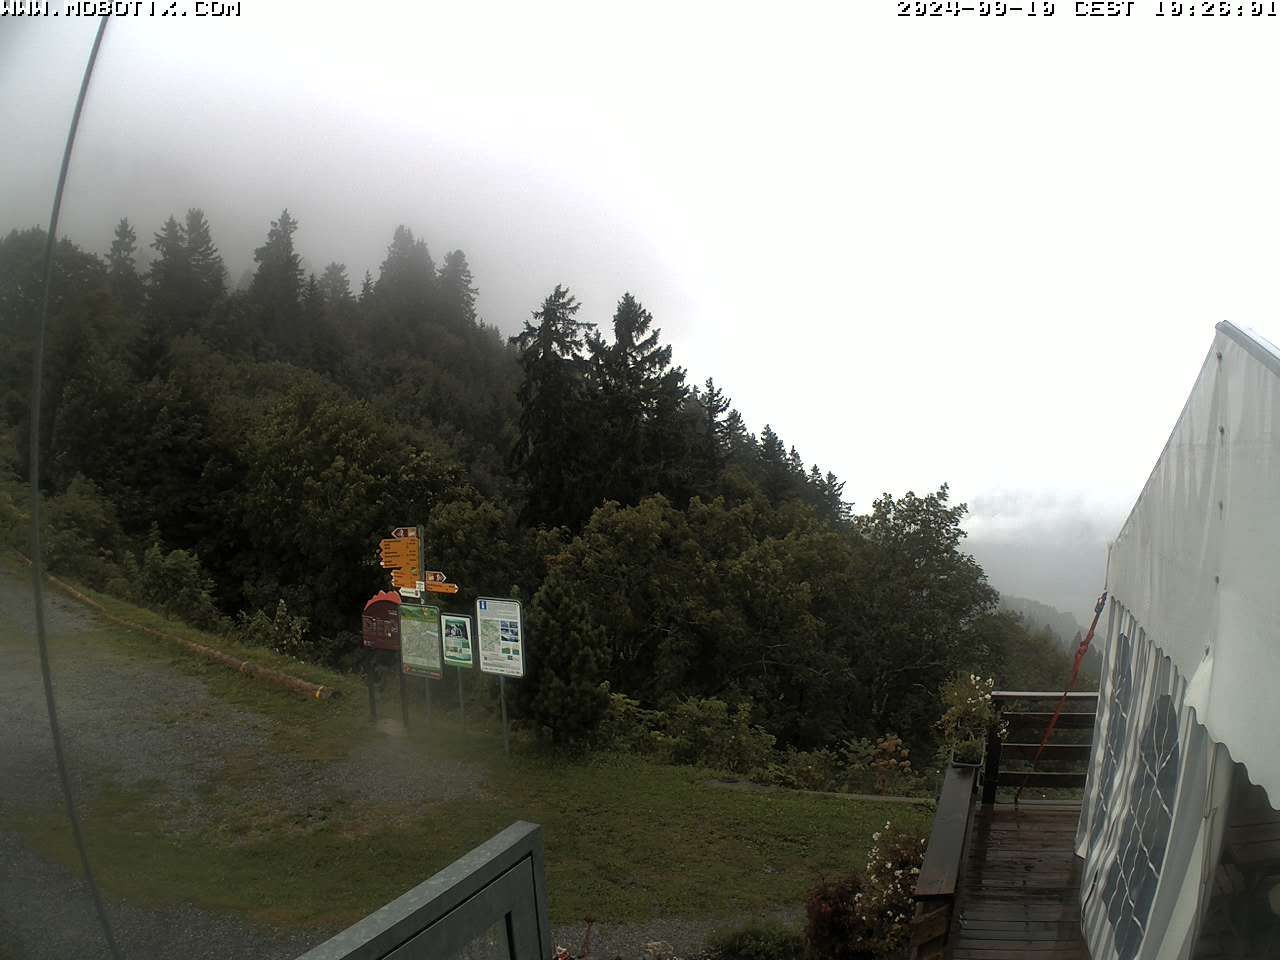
127 720
46 912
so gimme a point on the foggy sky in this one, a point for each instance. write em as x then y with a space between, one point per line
983 252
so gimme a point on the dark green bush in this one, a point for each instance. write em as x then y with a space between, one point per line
284 633
835 927
630 728
564 695
757 942
174 581
710 733
858 917
808 770
82 537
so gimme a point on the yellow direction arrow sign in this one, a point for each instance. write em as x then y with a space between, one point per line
404 578
435 576
404 532
441 587
399 553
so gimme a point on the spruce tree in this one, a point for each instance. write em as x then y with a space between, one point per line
457 293
168 278
639 432
406 279
122 268
334 285
548 454
207 279
277 284
564 692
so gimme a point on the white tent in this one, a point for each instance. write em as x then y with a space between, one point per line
1191 680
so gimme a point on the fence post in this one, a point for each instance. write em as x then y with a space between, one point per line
991 772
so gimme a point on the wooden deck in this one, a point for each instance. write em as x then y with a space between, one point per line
1001 881
1019 888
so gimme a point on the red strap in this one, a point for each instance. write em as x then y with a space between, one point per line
1075 672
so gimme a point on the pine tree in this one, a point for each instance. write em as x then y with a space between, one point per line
366 289
565 692
457 294
548 453
122 268
312 302
406 279
640 433
776 468
168 278
335 286
208 277
277 284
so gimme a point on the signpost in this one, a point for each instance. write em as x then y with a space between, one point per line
500 630
420 644
380 625
428 639
457 651
420 640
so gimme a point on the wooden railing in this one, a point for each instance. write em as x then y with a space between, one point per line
940 873
1025 730
943 857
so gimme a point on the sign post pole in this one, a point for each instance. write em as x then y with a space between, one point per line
506 731
404 702
369 679
426 682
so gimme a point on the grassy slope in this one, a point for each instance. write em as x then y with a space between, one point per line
625 839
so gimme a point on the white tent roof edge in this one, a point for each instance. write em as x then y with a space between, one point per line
1197 561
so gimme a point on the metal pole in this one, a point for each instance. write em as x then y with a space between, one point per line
462 707
404 701
427 682
502 697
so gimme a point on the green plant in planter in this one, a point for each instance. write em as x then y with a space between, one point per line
967 751
970 713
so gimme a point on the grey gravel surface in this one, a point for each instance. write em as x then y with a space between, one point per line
686 937
46 912
134 721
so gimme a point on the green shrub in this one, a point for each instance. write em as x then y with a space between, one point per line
888 883
175 582
969 713
835 927
711 734
757 942
564 695
889 762
284 633
808 769
861 917
82 536
629 728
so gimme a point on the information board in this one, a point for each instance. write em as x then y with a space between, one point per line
457 639
420 640
500 631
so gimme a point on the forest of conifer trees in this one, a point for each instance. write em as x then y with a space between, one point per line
218 452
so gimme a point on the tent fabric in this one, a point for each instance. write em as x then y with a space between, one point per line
1143 832
1192 661
1196 561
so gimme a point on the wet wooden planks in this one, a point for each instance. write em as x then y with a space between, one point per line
1019 891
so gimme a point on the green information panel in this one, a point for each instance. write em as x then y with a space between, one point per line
420 640
457 639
